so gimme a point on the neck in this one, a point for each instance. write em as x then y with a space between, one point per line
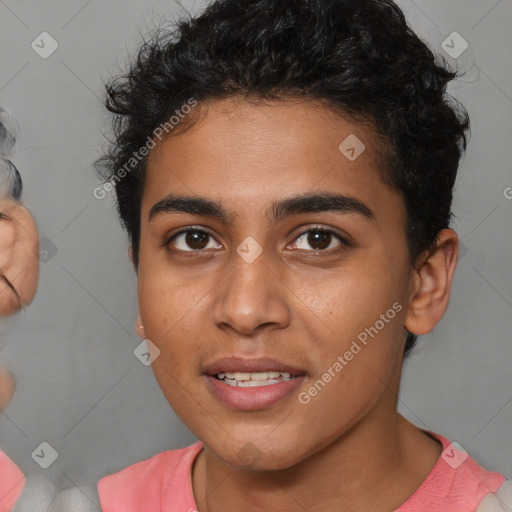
374 466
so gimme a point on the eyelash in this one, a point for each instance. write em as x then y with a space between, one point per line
343 241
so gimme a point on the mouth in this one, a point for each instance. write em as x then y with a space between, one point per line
251 384
254 379
236 370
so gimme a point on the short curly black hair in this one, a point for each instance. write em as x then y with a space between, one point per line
358 57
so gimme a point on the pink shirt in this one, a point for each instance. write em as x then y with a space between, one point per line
12 482
455 484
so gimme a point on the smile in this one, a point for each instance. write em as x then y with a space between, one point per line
254 379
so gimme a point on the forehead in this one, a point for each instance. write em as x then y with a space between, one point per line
247 154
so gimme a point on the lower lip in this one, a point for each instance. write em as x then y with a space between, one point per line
253 398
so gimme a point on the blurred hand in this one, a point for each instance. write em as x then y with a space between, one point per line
19 258
7 385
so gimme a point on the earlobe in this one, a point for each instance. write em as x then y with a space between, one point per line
139 327
431 284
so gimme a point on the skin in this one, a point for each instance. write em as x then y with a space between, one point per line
348 448
19 271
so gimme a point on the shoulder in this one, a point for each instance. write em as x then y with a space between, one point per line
499 501
147 483
157 466
12 482
456 483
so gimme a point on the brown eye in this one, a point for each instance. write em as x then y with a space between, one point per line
320 239
189 240
196 239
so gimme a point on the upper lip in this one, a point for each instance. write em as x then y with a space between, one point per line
240 364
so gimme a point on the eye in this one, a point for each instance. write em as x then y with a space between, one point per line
195 239
190 239
321 239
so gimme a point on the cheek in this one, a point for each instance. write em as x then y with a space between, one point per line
350 378
345 302
165 302
172 312
355 323
372 290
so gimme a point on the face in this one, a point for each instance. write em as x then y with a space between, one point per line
260 280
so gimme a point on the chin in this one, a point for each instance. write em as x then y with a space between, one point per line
256 455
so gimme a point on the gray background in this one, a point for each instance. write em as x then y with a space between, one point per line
81 389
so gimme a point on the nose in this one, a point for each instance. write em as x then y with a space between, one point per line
251 297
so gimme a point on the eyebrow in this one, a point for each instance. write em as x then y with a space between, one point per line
305 203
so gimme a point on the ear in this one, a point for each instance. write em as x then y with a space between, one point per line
139 326
130 255
19 257
431 283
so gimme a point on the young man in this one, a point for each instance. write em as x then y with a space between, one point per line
284 171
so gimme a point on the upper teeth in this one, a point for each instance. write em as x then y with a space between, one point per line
254 379
240 376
